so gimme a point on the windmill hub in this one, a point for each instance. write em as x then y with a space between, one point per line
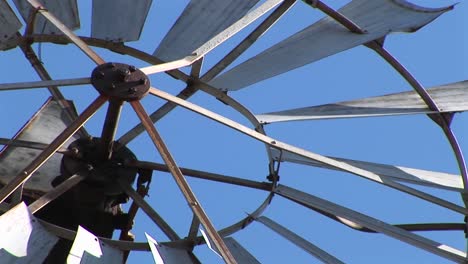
102 172
121 81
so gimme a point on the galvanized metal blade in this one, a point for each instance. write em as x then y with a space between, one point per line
119 20
9 26
48 152
166 255
328 37
297 240
24 239
215 41
397 173
313 202
240 253
450 98
88 249
199 22
43 127
339 165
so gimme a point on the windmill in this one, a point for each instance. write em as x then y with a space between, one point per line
66 185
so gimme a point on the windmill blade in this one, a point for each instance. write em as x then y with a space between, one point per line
65 10
166 255
450 98
24 239
214 41
9 26
43 127
397 173
313 202
239 252
111 19
42 84
88 249
328 37
317 252
200 21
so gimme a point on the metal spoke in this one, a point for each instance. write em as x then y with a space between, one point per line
110 128
202 175
57 191
307 154
74 38
42 84
29 144
182 183
51 149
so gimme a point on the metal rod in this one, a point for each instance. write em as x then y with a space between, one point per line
51 149
248 41
307 154
194 227
57 191
182 183
202 175
157 219
110 127
66 31
42 84
29 144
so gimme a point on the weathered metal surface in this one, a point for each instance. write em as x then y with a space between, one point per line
200 21
167 255
313 202
65 10
9 25
398 173
450 98
119 20
23 239
40 160
328 37
46 124
88 249
239 252
297 240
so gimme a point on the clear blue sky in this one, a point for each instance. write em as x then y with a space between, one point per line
436 54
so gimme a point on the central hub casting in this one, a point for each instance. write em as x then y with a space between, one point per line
121 81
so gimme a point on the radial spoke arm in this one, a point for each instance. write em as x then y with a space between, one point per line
307 154
63 28
51 149
182 183
42 84
202 175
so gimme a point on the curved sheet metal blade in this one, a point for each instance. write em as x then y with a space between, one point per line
43 127
450 98
65 10
397 173
200 21
9 25
327 37
119 20
24 239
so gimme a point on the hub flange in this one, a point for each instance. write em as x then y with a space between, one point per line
121 81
